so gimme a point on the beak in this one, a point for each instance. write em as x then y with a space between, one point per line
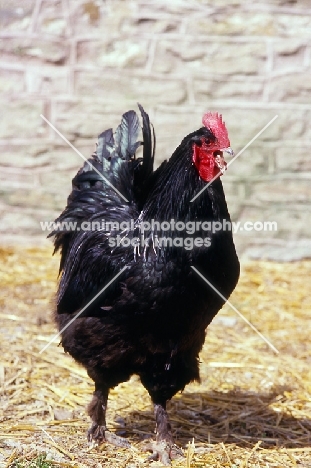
220 160
228 150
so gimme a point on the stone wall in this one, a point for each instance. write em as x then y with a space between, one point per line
82 63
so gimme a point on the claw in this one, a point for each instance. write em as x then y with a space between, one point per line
164 451
112 438
97 434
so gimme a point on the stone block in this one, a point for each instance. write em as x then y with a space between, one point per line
247 89
294 87
20 118
35 50
117 54
254 161
27 200
179 57
66 159
236 21
11 81
18 223
24 156
15 16
278 190
292 223
86 117
147 22
57 181
293 158
288 54
131 88
47 80
212 58
52 18
12 179
293 25
42 157
233 21
102 19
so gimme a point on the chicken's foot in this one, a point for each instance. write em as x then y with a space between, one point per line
164 448
98 433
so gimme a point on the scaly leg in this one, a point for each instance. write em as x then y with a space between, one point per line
163 448
97 411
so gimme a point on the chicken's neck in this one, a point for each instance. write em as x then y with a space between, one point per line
178 183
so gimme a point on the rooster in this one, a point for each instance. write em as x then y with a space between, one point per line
151 319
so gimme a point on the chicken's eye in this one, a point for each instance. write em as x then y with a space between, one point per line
197 140
208 141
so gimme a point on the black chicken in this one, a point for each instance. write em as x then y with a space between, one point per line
151 320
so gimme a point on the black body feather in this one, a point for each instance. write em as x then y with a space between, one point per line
151 321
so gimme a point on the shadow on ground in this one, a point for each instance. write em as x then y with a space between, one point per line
238 417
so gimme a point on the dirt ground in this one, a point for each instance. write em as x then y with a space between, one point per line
252 408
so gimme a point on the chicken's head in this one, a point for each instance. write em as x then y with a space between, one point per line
208 149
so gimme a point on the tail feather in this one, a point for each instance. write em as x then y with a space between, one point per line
105 147
113 149
115 158
100 160
126 135
149 145
144 168
114 167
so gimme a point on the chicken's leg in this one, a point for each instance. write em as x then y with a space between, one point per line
97 411
163 448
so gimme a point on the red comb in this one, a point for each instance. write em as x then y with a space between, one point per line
213 121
